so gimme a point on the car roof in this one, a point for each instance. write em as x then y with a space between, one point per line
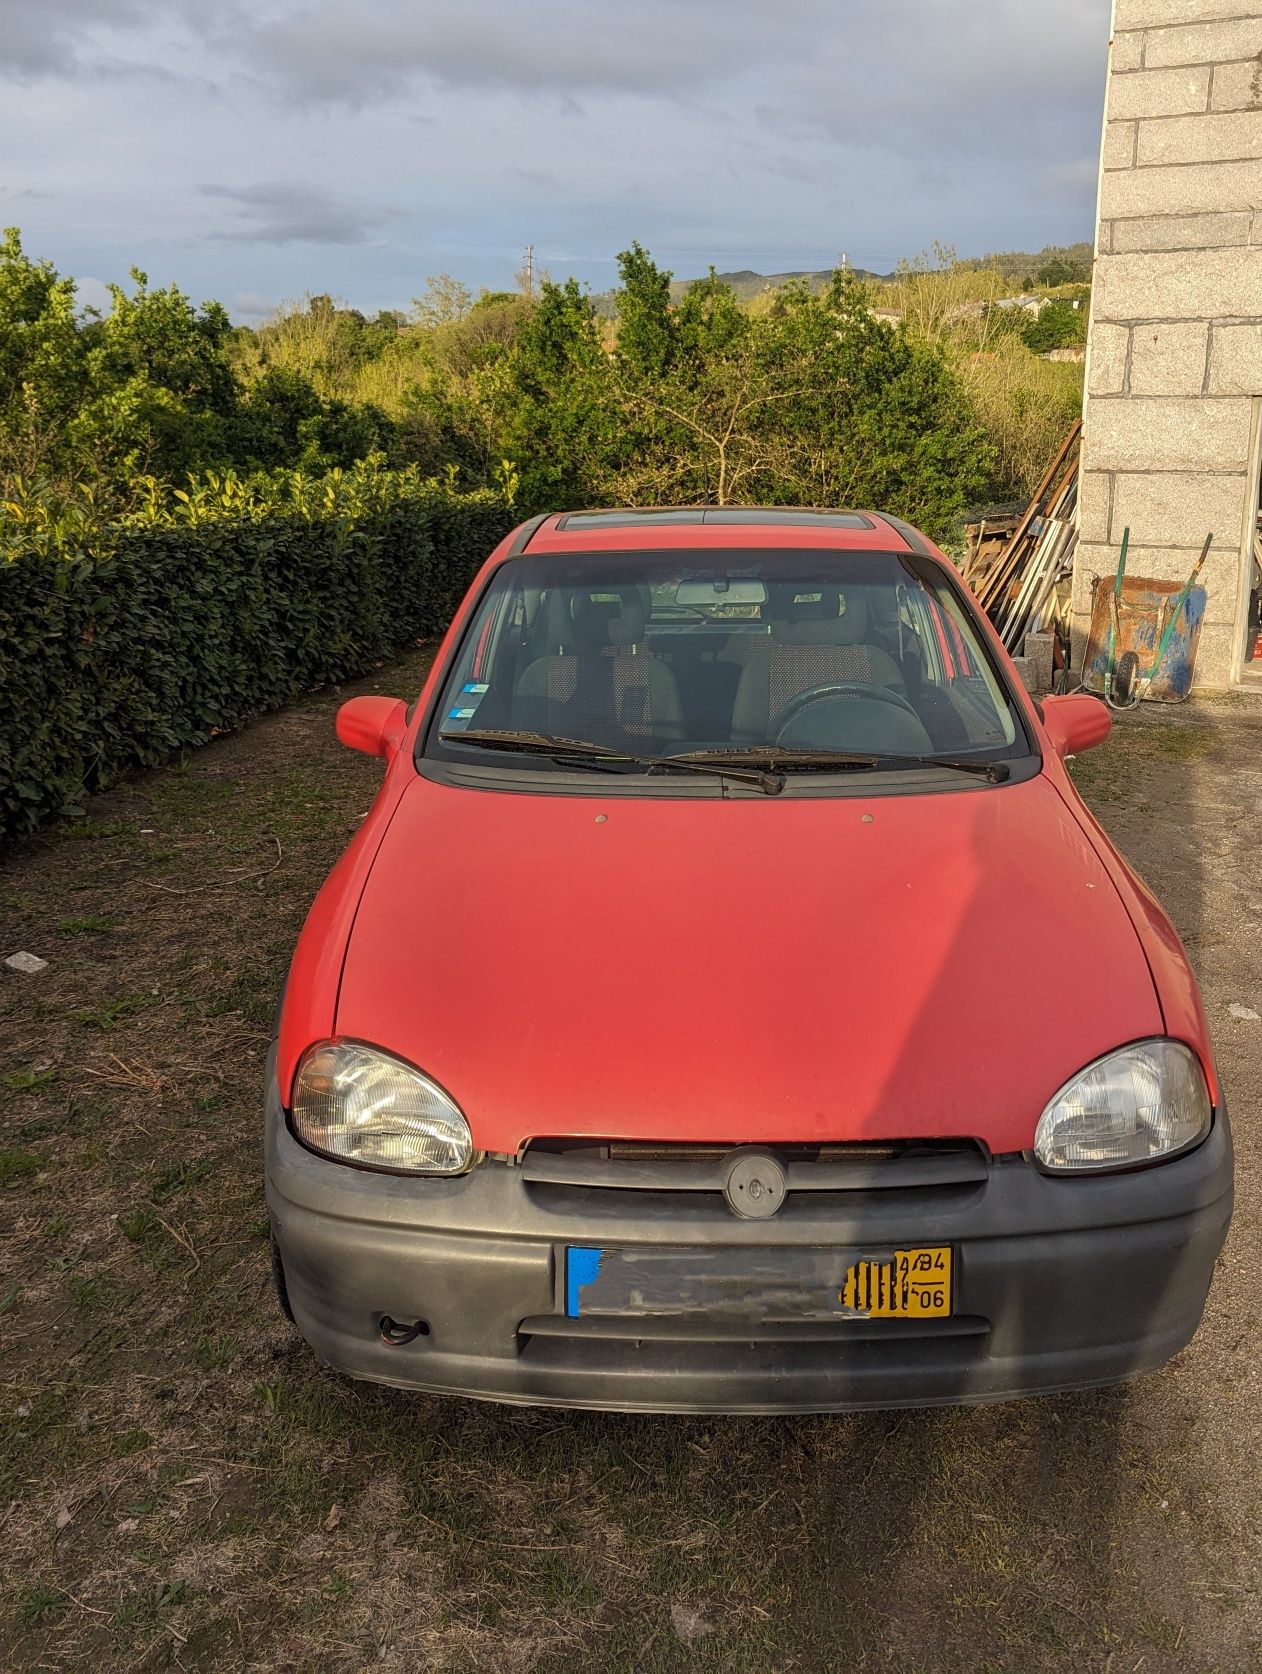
632 528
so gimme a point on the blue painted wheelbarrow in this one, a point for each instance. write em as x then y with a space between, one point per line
1144 635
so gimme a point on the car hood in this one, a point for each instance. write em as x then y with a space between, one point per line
800 968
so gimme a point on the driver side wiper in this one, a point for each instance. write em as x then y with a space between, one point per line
583 752
795 760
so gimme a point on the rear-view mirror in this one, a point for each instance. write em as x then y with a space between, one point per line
720 591
1075 722
375 725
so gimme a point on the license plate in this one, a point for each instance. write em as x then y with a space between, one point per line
776 1285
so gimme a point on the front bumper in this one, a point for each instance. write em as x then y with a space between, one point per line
1060 1284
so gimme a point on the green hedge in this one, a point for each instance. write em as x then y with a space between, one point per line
123 644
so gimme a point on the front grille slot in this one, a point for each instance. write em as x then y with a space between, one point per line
702 1329
622 1165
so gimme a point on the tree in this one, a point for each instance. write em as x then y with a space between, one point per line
444 301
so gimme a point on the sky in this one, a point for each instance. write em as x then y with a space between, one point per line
255 152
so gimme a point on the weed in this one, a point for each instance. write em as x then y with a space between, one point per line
95 925
107 1015
95 1293
39 1603
178 1176
216 1351
18 1165
26 1081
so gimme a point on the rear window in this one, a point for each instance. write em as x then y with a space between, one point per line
660 653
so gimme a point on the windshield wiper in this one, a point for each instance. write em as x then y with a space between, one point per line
582 752
794 760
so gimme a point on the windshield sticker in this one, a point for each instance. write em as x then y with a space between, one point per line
478 686
461 714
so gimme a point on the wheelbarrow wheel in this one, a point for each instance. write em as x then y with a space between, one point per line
1126 681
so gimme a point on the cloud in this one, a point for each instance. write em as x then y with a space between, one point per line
61 37
280 212
331 52
409 137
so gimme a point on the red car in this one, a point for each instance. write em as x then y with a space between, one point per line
730 1005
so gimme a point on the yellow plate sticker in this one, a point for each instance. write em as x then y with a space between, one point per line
912 1284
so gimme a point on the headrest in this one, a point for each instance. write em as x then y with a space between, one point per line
585 620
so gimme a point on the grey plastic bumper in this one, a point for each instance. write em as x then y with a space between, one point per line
1060 1284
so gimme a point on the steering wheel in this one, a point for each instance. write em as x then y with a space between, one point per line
839 688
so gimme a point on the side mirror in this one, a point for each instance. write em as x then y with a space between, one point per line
1075 722
375 725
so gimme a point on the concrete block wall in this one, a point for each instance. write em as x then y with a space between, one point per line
1174 355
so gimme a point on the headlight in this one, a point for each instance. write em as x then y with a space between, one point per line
1138 1105
358 1105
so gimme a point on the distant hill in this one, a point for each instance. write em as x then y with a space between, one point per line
1013 264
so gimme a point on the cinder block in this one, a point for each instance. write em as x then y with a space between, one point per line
1179 508
1223 138
1179 232
1178 285
1039 651
1025 673
1220 42
1237 86
1168 359
1235 361
1154 433
1127 51
1106 357
1177 92
1179 191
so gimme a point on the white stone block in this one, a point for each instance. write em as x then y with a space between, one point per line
1179 508
1204 43
1146 93
1179 285
1127 50
1106 371
1223 138
1155 433
1179 232
1180 191
1168 359
1237 86
1235 362
1149 14
1095 494
1119 145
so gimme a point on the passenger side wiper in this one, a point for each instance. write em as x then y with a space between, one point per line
583 752
795 760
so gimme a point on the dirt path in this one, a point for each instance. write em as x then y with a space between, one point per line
184 1488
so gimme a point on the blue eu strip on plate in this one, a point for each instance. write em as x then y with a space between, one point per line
582 1264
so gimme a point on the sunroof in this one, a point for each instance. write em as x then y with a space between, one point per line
795 515
631 518
651 516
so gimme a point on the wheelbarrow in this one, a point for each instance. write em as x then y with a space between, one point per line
1144 635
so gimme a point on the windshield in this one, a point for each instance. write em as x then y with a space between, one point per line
663 654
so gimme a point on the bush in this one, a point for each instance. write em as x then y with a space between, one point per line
122 644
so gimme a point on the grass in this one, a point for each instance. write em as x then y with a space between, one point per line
233 1505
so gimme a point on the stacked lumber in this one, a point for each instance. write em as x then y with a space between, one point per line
1022 586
